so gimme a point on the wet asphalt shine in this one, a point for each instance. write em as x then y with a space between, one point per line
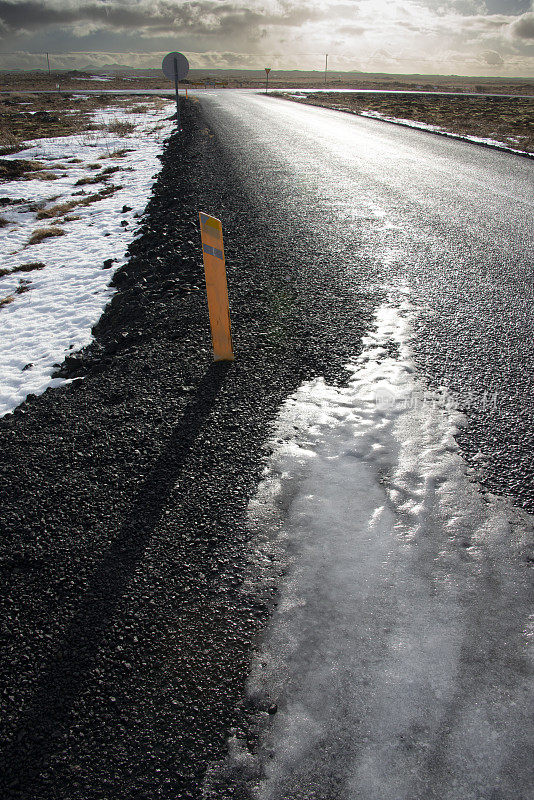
126 626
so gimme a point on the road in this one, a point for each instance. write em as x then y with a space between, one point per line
132 604
399 656
449 221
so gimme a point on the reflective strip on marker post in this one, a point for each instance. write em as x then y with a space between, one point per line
216 286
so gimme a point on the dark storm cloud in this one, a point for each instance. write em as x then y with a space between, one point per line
29 15
199 16
524 27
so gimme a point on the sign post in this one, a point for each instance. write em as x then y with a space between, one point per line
217 287
175 67
267 70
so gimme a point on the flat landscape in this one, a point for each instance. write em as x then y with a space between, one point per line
507 120
124 79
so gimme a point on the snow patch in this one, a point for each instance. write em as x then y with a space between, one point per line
65 299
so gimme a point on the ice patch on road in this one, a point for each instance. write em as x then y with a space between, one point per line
400 650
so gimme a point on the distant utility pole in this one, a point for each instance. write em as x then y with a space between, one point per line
267 70
325 68
48 62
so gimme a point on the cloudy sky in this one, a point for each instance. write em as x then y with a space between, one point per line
470 37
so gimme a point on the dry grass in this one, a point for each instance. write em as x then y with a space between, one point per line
87 181
7 139
117 153
43 176
44 233
14 168
26 116
5 301
9 143
105 192
53 115
24 286
141 109
33 265
101 177
60 209
121 127
36 205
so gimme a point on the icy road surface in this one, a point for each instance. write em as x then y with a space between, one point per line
400 654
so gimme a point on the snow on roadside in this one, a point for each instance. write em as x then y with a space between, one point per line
50 311
424 126
399 654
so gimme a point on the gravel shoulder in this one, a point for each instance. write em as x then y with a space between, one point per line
127 633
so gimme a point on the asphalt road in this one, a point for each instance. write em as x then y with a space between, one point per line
449 223
126 629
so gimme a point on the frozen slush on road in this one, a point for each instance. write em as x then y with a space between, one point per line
72 210
400 651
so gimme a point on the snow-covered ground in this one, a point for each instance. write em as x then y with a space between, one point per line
400 654
49 311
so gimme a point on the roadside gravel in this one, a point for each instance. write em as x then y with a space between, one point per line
126 633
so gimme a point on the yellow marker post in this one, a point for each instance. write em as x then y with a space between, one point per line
217 287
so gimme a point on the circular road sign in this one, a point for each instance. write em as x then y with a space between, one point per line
182 64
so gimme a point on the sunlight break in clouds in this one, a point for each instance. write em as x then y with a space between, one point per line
492 37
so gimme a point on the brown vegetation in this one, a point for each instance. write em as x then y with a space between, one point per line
60 209
121 127
116 153
100 178
34 265
13 168
44 233
53 114
154 79
30 267
5 301
24 286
